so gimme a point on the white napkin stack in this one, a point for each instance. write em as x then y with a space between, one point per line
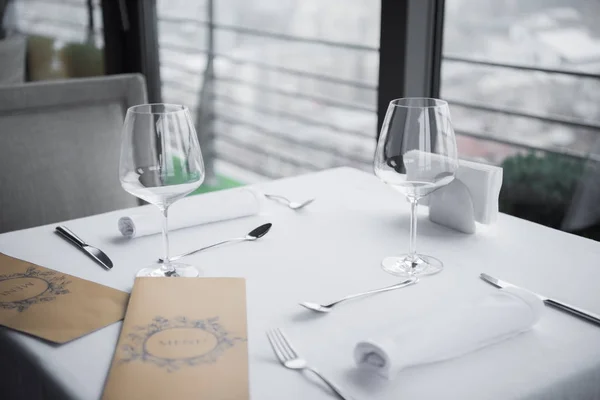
472 196
484 182
450 205
191 211
499 316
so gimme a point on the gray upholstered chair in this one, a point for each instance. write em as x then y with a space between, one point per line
59 148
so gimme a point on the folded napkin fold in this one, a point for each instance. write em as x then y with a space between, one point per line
454 333
482 181
191 211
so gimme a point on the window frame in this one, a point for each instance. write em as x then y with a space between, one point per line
131 41
410 51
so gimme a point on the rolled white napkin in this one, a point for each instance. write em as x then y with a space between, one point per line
499 316
194 210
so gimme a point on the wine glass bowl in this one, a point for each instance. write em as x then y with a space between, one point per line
416 155
160 163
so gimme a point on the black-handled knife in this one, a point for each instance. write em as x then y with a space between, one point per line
578 312
96 254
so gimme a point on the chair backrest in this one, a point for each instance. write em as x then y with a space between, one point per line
60 146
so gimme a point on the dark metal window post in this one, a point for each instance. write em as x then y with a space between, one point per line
131 41
392 51
410 51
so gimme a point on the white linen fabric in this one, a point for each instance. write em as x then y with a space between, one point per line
192 211
330 249
442 336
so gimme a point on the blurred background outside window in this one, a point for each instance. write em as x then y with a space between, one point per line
523 81
284 87
64 37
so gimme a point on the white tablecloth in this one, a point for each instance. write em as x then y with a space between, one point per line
334 248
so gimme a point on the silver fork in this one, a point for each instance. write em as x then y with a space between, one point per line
294 205
290 359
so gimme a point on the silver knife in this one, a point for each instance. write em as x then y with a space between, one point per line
578 312
96 254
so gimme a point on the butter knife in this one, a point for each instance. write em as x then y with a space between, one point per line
578 312
96 254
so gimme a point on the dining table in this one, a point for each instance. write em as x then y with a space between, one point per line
320 253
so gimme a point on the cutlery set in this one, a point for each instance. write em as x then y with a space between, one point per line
288 356
283 349
101 258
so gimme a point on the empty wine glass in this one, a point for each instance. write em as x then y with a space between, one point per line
161 163
416 155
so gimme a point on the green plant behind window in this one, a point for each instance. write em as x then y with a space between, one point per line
539 188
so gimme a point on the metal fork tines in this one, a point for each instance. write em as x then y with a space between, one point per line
288 356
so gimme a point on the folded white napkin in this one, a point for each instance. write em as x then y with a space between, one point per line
442 336
194 210
482 180
452 206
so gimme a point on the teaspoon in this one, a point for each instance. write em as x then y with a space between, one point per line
254 234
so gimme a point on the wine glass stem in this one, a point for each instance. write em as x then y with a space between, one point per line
166 266
412 244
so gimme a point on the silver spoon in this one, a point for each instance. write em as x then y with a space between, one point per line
254 234
325 308
291 204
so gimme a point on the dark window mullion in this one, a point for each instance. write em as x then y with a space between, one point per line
392 50
437 39
410 51
131 41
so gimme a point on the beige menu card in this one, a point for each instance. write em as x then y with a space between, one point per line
54 306
183 338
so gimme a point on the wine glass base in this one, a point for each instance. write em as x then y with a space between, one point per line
181 270
418 265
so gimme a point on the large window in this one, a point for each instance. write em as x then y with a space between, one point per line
278 88
523 81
